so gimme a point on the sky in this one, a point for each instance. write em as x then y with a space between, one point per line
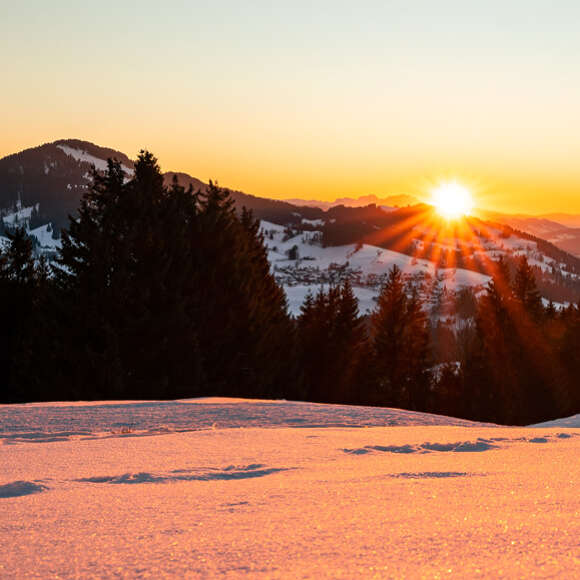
314 99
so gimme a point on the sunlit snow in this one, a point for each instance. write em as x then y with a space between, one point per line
223 487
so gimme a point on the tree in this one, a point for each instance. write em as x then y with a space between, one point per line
126 329
399 336
526 291
349 345
19 293
416 354
387 330
331 345
241 315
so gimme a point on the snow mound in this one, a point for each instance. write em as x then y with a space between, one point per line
572 422
50 422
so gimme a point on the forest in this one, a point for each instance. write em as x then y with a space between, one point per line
163 292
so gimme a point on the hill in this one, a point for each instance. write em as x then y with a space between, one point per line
308 246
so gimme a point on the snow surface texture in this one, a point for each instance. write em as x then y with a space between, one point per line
233 488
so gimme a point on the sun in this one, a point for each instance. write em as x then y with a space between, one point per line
452 200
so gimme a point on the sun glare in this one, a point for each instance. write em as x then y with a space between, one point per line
452 200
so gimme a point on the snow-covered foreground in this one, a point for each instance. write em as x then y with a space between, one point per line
215 487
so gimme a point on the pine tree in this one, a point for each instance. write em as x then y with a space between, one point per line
388 335
349 345
331 345
241 316
18 296
497 391
416 354
127 330
526 291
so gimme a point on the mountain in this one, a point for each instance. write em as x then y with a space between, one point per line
566 219
267 209
53 177
565 237
312 246
401 200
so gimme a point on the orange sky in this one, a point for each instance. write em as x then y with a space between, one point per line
291 100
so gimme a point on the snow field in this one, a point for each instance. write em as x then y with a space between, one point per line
426 497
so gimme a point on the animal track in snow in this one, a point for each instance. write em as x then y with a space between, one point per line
20 488
478 446
230 472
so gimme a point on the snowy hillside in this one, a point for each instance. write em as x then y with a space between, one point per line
432 258
301 264
270 489
80 154
46 242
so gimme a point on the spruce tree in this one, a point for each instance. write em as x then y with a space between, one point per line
388 338
19 292
351 346
245 333
123 261
416 354
526 291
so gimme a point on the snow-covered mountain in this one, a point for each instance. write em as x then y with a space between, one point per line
307 246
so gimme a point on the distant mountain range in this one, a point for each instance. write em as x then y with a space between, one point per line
42 186
401 200
563 230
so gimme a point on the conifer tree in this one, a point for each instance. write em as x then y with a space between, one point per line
416 354
491 370
121 265
245 333
331 340
348 345
526 291
388 335
18 295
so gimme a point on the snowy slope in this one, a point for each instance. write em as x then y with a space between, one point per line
81 155
44 236
20 217
52 421
317 266
281 490
572 422
295 295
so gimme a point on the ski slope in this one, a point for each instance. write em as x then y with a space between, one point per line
272 489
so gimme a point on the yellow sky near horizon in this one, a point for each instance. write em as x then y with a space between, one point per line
312 100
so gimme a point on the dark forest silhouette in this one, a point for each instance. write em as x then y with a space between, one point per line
166 292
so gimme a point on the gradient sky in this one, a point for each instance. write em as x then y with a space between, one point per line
317 99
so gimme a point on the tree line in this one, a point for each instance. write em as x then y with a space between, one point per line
166 292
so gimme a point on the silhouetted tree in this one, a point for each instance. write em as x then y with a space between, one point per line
19 293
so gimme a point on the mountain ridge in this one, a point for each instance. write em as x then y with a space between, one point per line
49 181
